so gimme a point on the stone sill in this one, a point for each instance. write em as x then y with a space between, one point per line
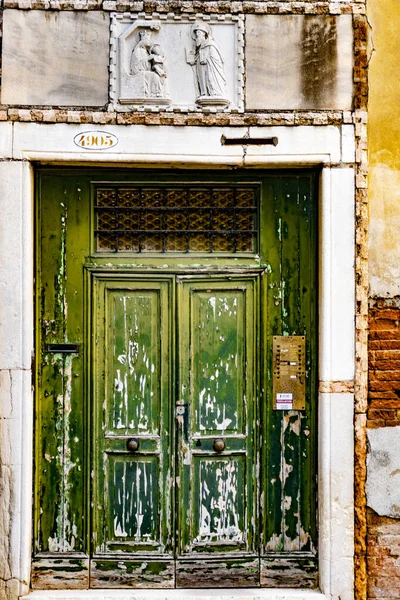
182 594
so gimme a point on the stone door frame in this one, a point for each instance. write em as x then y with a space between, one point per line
331 148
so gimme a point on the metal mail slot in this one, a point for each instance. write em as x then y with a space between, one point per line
289 375
62 348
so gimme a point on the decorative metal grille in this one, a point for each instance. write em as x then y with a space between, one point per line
176 219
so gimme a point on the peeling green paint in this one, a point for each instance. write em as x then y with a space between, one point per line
171 341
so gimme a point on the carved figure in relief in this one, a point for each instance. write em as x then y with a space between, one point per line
147 69
157 59
208 63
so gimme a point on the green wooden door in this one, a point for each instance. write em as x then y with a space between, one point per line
132 470
161 460
217 433
214 321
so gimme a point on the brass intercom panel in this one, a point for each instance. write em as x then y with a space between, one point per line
289 379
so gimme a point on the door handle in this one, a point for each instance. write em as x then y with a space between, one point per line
132 444
219 445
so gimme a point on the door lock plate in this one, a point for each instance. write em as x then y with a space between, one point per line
289 375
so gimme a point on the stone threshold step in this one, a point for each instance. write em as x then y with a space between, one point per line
187 594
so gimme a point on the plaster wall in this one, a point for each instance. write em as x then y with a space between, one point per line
384 148
383 410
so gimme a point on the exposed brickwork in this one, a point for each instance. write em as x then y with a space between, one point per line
360 28
361 378
383 557
281 7
384 365
148 117
360 74
383 538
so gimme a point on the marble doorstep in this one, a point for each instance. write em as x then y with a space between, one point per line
187 594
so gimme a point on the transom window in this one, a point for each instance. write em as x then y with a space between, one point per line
176 219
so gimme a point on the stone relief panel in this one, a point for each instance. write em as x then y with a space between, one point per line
167 62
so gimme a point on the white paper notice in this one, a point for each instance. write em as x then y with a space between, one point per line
284 401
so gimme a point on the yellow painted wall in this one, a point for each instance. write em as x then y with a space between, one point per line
384 147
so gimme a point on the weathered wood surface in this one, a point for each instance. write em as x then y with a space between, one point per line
132 574
132 490
60 397
289 572
288 456
217 491
60 573
192 348
218 573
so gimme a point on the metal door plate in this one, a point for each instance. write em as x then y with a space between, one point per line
289 376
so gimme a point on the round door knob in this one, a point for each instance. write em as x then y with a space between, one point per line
132 444
219 445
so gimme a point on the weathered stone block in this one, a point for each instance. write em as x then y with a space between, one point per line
383 471
16 262
299 62
55 58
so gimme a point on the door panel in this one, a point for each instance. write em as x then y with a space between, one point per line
132 491
217 391
288 467
218 513
217 353
59 501
132 361
133 506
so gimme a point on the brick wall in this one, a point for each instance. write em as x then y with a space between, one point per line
384 364
383 556
383 539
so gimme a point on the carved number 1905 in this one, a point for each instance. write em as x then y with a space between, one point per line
95 140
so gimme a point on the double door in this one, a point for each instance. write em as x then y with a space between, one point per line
162 457
175 474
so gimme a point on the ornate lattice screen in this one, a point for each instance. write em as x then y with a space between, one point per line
176 219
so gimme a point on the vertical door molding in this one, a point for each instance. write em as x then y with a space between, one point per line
16 399
336 364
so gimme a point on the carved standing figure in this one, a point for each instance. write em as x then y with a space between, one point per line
209 66
147 81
